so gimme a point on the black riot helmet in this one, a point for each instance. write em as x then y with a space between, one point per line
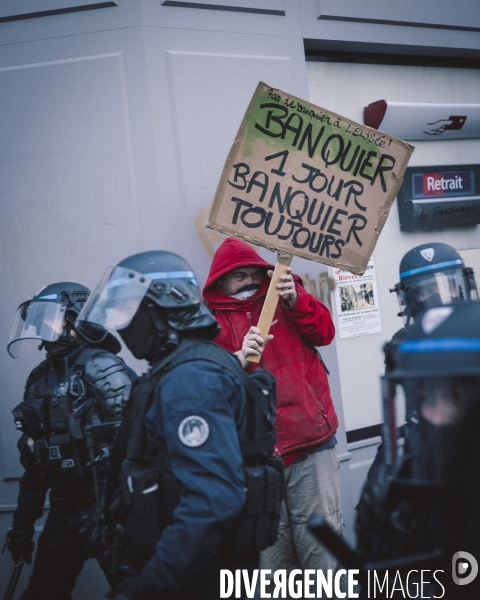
49 317
432 274
437 367
152 299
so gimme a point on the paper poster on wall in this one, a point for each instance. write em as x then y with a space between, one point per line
356 301
306 181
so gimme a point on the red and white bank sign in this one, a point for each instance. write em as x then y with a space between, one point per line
424 120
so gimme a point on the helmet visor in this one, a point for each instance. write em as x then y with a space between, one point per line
37 320
113 304
436 289
402 306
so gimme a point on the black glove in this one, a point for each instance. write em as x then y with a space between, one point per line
20 544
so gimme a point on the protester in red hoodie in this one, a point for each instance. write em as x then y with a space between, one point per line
306 420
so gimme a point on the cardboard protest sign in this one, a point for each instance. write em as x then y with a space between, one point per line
306 181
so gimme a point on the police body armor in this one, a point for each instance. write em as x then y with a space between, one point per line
60 409
149 491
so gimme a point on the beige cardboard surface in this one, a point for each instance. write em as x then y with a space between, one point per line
304 180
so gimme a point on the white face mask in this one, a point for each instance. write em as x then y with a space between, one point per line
246 291
245 295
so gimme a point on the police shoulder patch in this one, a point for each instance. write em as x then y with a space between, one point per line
193 431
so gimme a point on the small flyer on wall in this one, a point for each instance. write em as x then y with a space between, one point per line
356 301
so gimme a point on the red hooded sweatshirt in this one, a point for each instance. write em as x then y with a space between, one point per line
306 417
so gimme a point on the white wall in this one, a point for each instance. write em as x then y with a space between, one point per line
115 126
347 89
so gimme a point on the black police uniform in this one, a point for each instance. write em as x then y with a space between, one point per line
197 412
432 274
421 511
178 456
63 395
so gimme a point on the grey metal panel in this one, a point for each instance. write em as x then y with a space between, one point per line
239 16
75 159
195 123
273 7
14 10
428 13
76 168
86 16
343 35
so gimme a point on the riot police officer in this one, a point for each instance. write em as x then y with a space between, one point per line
72 405
177 458
423 508
432 274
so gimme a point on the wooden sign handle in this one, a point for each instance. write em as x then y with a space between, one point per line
281 268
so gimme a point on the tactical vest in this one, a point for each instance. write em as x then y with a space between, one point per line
53 418
149 492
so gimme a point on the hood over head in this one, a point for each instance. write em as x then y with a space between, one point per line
232 254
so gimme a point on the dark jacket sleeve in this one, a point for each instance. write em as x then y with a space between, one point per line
310 317
31 500
33 488
213 492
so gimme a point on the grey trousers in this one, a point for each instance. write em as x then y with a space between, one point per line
311 487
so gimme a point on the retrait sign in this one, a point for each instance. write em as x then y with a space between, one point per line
436 197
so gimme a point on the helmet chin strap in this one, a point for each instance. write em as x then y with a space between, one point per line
168 336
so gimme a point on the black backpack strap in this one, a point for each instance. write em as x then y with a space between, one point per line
126 444
253 445
36 374
133 446
208 350
35 377
39 372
